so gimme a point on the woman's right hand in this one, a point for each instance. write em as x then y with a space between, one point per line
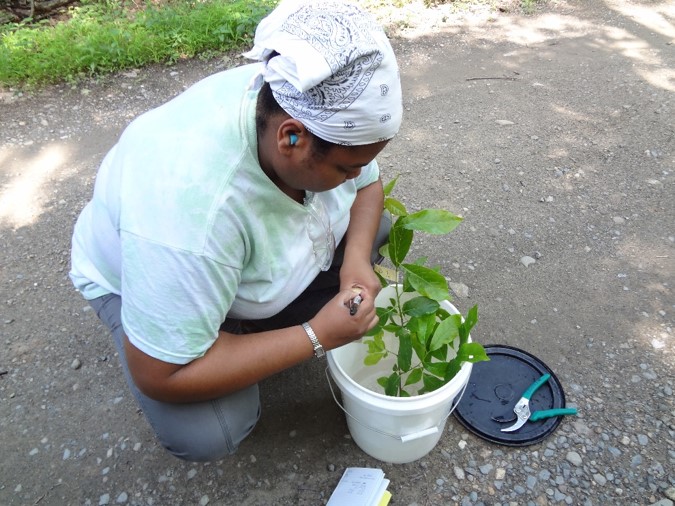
334 326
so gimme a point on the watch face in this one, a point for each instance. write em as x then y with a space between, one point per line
319 352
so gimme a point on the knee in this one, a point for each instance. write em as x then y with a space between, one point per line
199 449
199 445
203 431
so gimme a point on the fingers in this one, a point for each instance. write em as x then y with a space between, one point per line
345 318
357 297
362 310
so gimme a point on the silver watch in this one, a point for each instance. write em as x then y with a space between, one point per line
318 349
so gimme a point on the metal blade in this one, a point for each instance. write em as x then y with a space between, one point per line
516 426
522 411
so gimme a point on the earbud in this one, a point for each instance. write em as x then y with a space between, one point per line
293 138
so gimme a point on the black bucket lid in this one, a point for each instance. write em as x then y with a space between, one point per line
493 390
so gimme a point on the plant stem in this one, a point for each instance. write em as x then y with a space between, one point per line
399 306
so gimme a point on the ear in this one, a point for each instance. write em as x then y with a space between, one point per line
291 137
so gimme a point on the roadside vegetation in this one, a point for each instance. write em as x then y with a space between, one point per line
96 37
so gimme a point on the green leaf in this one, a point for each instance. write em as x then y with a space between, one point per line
432 221
382 381
375 345
406 286
472 352
384 251
418 346
423 326
415 376
436 368
453 368
400 240
432 383
469 352
391 328
387 188
469 322
372 347
404 350
420 306
395 207
441 354
383 313
442 313
426 281
373 358
446 332
393 385
377 329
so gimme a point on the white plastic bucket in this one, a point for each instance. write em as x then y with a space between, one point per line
397 430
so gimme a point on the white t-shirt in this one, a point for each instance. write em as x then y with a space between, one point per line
187 228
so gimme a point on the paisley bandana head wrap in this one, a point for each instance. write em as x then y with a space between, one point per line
335 71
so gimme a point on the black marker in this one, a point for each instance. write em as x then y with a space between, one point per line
354 304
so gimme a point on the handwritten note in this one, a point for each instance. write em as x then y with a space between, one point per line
360 486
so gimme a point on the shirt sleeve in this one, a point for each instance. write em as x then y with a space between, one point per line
173 302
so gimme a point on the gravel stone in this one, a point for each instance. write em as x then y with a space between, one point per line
574 458
527 261
486 469
459 473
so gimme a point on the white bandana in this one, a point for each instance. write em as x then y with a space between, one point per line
336 71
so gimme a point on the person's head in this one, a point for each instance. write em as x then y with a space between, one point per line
268 110
332 83
295 158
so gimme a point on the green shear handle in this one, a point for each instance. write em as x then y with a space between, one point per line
535 386
548 413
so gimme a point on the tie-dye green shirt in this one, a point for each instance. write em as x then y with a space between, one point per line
187 228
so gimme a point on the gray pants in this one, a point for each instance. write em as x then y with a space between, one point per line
210 430
199 431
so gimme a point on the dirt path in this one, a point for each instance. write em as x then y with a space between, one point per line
553 134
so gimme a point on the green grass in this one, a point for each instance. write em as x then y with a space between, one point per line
528 6
104 37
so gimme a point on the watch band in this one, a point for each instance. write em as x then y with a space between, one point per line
318 349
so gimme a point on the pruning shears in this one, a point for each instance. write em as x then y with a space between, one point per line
522 407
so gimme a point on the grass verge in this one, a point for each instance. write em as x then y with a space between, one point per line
103 37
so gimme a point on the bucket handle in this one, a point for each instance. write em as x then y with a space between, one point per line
407 437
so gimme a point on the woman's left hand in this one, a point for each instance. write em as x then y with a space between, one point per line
360 275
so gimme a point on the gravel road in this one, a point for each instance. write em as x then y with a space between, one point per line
553 134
